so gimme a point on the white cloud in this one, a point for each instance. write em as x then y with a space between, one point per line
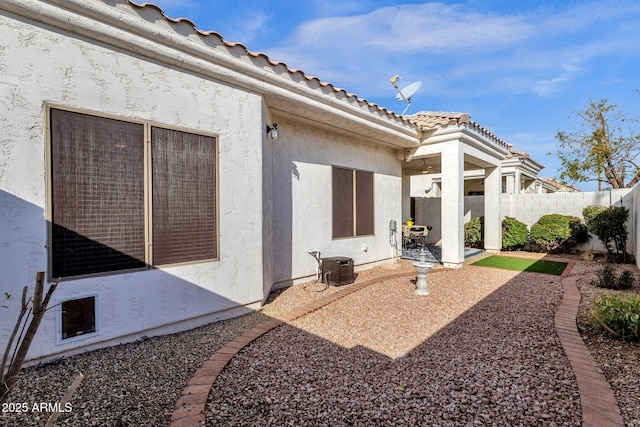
460 52
548 87
422 28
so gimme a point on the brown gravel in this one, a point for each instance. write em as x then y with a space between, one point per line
481 349
380 356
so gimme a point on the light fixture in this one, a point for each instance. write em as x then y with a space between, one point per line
273 130
425 169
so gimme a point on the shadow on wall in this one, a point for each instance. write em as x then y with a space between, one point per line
420 352
137 300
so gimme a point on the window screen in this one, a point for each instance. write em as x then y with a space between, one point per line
342 191
353 203
184 196
97 194
364 203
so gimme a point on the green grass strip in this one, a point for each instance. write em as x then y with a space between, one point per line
523 264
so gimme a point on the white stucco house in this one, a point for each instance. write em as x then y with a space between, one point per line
139 165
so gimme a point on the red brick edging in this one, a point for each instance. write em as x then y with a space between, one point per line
191 407
599 404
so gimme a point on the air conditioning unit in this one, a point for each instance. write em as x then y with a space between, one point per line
337 270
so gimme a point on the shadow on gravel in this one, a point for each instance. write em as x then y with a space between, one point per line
499 362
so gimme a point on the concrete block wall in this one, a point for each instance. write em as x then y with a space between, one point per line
528 208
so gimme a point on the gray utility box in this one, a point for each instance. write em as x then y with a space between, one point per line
337 270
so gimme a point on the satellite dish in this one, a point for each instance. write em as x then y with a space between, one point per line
406 93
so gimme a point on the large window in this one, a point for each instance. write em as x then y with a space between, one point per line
353 205
109 213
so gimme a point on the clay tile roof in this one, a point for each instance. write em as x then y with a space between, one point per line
556 184
524 155
277 65
433 119
519 153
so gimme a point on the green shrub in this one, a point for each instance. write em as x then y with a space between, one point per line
514 234
589 214
579 232
556 232
609 224
617 314
474 232
626 280
607 279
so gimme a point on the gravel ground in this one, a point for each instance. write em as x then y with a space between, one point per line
481 349
135 384
411 361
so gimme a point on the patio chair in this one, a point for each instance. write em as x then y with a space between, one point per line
415 236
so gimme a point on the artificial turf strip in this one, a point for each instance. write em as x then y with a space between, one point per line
523 264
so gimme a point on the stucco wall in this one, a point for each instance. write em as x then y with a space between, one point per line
39 64
303 157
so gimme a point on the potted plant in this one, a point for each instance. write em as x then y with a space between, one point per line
409 222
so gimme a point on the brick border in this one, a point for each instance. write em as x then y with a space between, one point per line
599 405
191 407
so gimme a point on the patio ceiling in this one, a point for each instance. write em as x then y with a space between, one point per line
433 165
481 148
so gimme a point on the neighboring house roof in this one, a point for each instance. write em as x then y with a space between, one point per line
558 185
523 155
433 119
295 74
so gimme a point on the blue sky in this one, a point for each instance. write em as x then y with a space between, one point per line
519 68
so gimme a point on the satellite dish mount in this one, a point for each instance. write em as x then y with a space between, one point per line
407 93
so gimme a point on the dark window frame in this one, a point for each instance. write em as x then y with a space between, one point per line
146 166
352 202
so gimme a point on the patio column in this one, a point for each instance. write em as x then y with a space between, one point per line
511 184
406 198
452 208
492 209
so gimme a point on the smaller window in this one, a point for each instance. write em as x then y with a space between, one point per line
353 204
77 318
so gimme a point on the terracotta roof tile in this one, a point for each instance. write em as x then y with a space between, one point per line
523 155
558 185
433 119
295 74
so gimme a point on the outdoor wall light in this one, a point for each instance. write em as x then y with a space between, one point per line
273 130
